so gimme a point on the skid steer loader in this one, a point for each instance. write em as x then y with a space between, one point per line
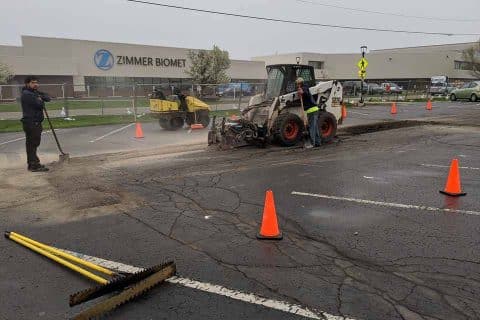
277 116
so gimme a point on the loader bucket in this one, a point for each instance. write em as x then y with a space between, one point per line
227 134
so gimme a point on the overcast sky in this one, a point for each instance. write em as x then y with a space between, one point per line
121 21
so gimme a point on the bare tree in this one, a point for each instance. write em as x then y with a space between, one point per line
472 57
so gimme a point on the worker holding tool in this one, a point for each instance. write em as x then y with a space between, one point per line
33 103
311 109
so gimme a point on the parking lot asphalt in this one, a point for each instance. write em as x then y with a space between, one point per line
367 235
120 138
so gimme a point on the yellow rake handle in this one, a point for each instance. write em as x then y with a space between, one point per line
65 255
59 260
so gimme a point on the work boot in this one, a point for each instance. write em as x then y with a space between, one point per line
38 168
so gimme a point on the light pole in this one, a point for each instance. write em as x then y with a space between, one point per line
363 49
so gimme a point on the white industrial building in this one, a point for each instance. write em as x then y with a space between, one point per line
93 63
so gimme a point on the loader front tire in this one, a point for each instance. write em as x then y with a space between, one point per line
288 129
171 124
176 123
327 125
164 124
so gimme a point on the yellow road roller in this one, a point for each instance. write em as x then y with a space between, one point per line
175 110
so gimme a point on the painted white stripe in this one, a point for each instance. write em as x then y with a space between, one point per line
246 297
10 141
112 132
442 166
386 204
356 112
368 177
217 289
23 138
112 265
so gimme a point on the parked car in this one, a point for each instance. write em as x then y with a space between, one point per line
391 87
440 88
470 90
375 88
354 87
231 89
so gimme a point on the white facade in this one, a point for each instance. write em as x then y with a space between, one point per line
79 58
75 60
400 63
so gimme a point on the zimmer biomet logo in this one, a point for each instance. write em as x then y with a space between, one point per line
103 59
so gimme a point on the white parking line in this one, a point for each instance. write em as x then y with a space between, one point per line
217 289
442 166
10 141
112 132
22 138
356 112
386 204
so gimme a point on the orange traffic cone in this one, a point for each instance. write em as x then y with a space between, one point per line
393 110
138 130
429 104
344 111
453 186
269 228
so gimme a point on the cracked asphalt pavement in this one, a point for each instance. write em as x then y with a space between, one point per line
202 208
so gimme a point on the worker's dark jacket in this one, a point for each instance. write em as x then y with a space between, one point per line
308 101
33 103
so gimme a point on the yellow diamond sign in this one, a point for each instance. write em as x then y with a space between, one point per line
362 64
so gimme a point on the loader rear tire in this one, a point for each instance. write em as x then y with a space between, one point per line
288 129
203 118
327 125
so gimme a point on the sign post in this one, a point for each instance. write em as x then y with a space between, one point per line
362 73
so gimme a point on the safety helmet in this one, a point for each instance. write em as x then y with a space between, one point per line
299 80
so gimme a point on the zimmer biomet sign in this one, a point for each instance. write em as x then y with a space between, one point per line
105 60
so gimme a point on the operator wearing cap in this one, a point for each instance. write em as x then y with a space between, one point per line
311 109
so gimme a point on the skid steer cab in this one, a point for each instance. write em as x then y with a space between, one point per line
174 111
277 116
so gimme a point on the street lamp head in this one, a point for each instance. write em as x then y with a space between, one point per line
298 60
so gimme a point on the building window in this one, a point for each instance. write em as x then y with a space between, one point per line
463 65
317 64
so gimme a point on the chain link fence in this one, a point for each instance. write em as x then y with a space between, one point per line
395 90
76 100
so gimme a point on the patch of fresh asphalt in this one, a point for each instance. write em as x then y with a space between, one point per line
345 258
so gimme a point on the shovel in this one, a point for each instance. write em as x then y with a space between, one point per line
62 157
